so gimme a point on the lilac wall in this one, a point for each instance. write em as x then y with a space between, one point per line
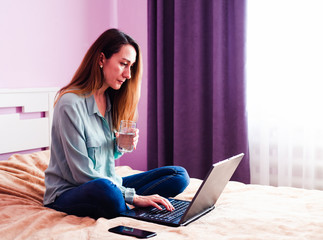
132 19
43 42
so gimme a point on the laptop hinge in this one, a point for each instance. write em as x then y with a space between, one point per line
185 222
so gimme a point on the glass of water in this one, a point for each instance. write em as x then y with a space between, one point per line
127 132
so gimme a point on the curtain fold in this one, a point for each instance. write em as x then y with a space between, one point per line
196 85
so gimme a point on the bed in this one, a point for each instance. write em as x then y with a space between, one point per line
244 211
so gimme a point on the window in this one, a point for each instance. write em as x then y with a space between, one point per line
285 92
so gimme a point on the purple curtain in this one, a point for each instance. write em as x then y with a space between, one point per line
196 86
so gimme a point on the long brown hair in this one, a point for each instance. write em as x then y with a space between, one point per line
89 77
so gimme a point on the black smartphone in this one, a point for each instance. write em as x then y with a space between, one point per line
135 232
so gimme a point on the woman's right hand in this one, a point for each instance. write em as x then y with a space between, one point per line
152 200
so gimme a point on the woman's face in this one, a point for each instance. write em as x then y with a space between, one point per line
117 69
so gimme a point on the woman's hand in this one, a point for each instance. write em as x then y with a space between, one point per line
134 139
152 200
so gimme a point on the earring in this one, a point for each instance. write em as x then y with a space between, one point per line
101 66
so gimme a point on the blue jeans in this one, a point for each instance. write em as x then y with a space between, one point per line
102 198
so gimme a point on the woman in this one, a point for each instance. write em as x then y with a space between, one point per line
81 178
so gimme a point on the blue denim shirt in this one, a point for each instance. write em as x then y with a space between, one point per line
83 147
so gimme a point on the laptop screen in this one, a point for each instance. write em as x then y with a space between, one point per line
212 186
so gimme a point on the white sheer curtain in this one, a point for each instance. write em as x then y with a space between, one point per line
285 92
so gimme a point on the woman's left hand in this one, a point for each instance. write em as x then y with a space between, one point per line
134 139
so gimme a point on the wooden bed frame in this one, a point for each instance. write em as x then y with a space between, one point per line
25 119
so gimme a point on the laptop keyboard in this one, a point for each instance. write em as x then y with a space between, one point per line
164 215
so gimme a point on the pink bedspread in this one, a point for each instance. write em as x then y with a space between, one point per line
242 212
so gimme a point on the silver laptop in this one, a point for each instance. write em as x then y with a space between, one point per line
203 202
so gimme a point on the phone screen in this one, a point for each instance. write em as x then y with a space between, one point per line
139 233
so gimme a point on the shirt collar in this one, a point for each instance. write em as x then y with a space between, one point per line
92 108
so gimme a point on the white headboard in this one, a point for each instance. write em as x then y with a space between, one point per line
25 118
